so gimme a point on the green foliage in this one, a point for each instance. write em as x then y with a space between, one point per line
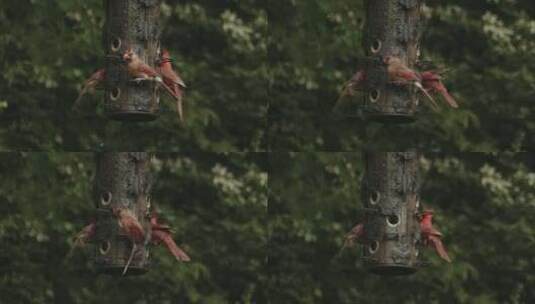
53 46
486 47
215 203
484 206
234 55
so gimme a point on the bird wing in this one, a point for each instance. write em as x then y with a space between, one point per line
436 243
90 84
146 69
346 91
133 228
171 75
407 74
354 235
352 85
96 77
169 90
429 230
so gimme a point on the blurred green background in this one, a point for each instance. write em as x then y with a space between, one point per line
486 45
216 203
268 228
484 205
264 75
48 49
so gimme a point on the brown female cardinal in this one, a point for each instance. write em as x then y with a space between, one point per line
400 74
354 236
142 71
162 234
90 85
173 81
433 82
133 229
84 236
354 84
139 69
430 236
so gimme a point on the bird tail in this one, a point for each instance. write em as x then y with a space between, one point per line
179 108
439 247
346 91
179 254
76 244
421 88
77 101
169 90
449 99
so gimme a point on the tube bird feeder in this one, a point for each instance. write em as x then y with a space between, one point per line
131 24
391 197
392 29
122 181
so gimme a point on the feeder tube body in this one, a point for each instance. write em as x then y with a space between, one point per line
123 180
392 29
131 24
391 197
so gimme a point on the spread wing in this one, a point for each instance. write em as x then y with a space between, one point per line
170 75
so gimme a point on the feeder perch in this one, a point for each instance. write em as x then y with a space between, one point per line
392 29
390 192
122 180
131 24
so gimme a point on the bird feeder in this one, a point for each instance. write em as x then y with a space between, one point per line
131 24
392 29
122 181
390 191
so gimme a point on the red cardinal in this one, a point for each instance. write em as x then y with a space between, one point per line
432 82
162 233
173 81
430 236
133 229
84 236
142 71
355 235
400 74
90 84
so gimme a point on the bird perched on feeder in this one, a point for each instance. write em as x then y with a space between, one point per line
432 237
354 236
139 69
133 229
162 234
400 74
90 85
142 71
84 236
172 80
432 82
356 83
